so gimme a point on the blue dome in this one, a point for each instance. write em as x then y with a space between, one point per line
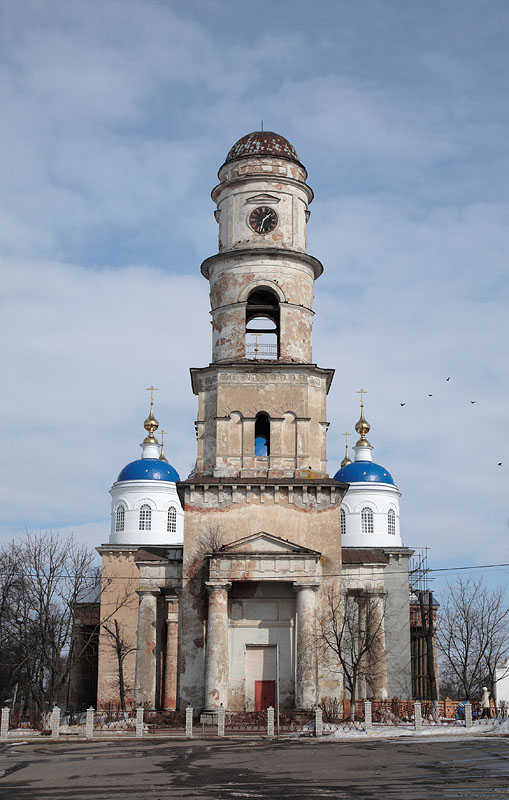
149 469
363 471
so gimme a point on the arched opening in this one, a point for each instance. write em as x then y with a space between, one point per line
367 520
120 518
391 522
262 435
262 325
171 524
145 518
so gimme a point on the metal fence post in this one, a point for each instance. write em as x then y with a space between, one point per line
189 722
220 721
270 721
139 722
89 728
4 725
318 722
417 715
368 718
468 714
55 722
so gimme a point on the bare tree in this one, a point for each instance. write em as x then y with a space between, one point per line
122 646
43 578
473 634
352 628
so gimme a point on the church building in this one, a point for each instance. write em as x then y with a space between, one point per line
215 587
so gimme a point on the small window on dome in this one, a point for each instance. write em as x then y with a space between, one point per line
172 520
145 518
343 522
391 522
367 520
119 518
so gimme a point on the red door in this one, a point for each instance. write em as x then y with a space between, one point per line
265 694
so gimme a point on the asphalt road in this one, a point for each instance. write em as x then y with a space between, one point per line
440 769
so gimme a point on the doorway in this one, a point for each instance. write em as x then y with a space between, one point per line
265 695
260 677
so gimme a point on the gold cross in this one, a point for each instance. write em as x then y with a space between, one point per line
362 392
152 389
346 439
162 437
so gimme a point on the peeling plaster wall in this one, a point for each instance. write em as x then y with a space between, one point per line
122 576
118 600
397 625
251 182
295 400
310 526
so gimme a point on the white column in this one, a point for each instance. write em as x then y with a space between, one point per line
270 721
139 722
4 727
189 722
145 680
55 722
368 718
89 728
306 688
318 722
417 715
216 680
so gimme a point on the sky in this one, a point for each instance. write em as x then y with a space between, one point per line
116 115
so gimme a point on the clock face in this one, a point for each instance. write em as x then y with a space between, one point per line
263 219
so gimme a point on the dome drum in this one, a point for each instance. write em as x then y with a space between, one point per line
137 526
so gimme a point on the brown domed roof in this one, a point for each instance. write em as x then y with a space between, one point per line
262 143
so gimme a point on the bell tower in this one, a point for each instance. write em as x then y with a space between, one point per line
259 499
261 400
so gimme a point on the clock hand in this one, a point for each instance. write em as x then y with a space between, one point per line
262 224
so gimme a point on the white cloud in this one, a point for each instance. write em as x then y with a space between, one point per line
118 115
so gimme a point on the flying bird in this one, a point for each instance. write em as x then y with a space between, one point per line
402 404
448 379
499 464
430 395
473 402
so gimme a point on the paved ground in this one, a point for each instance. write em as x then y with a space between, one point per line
371 770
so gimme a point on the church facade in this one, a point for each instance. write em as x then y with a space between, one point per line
215 588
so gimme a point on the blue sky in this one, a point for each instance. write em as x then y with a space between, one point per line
116 117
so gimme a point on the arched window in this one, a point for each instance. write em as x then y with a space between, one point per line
367 520
171 526
262 435
343 521
145 518
262 325
391 522
119 518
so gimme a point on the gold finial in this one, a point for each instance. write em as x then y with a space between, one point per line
347 459
162 457
362 427
151 424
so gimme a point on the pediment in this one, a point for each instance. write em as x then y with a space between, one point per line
263 197
263 542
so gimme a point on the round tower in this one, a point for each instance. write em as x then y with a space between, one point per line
370 508
261 280
145 506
